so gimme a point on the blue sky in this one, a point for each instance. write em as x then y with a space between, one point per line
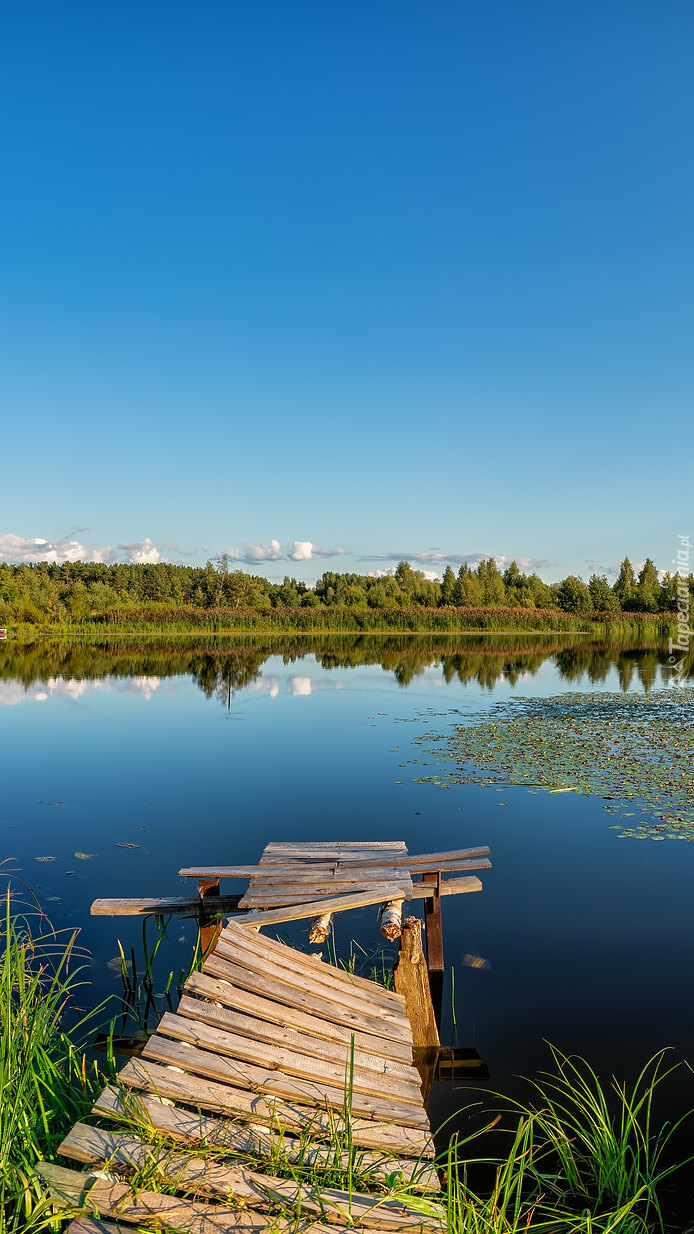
402 279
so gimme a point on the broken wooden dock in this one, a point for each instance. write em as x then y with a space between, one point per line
273 1058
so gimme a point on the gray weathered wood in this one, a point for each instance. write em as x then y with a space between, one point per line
214 984
336 904
163 905
182 1126
303 1043
314 1068
280 1115
274 1083
237 1184
312 964
323 980
324 1008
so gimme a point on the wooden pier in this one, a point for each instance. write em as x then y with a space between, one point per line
272 1055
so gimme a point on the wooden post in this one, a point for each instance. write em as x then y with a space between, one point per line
412 981
432 924
209 930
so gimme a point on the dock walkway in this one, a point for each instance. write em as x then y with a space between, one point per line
273 1056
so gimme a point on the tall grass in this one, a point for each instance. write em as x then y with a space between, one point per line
584 1159
45 1081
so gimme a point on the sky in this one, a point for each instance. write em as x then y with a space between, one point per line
326 286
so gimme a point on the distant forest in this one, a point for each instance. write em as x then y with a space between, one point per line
84 594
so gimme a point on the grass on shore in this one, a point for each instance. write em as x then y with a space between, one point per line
583 1157
45 1081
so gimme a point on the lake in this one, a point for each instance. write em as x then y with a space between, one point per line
203 750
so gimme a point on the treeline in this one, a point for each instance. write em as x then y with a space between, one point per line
85 593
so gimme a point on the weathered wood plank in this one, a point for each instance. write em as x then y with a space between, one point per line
163 905
182 1126
214 984
336 904
274 1083
237 1184
303 1043
325 1008
315 1068
302 846
151 1208
312 964
278 1114
314 976
90 1225
449 887
415 860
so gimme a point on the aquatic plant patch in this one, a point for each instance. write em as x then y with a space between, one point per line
634 750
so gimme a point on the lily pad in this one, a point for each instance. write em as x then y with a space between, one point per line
628 749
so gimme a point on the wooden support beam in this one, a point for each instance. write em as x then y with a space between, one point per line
432 923
412 981
210 929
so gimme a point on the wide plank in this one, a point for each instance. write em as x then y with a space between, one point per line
322 985
152 1208
274 1083
308 876
313 964
304 845
449 887
313 969
213 984
163 905
280 1115
182 1126
90 1225
270 1034
240 1185
412 860
336 904
325 1008
291 1062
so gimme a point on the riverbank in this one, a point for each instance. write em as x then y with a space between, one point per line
189 619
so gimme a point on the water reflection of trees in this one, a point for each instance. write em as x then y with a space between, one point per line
221 667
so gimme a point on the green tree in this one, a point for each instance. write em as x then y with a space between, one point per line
448 587
603 597
648 589
625 586
468 588
573 595
493 589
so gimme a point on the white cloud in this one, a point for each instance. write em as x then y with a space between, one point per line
253 553
298 550
143 552
453 559
18 551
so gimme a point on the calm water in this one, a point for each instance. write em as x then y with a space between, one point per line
202 752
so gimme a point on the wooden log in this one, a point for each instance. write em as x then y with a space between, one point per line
321 927
391 919
412 980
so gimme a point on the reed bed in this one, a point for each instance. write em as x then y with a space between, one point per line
46 1083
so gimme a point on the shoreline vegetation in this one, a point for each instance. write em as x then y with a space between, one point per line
582 1155
95 598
